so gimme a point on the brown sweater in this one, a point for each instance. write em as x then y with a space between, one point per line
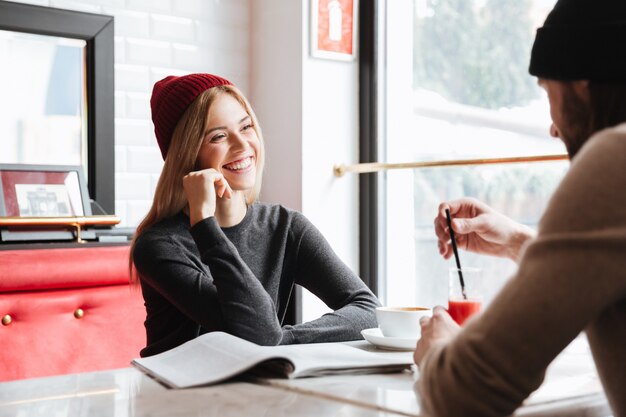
571 278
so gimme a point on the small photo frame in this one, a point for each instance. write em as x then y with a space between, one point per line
43 191
334 29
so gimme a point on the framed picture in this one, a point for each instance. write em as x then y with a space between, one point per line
334 29
43 191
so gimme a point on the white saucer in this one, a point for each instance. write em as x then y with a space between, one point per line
375 337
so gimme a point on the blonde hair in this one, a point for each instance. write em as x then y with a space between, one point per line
169 197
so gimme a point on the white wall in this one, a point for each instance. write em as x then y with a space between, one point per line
153 39
308 108
276 94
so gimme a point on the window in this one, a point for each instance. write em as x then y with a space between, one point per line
455 86
57 89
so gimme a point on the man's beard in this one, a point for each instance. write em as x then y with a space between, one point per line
577 122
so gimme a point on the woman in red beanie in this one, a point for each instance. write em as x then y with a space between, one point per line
208 257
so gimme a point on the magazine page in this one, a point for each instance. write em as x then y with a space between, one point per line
207 359
218 356
318 359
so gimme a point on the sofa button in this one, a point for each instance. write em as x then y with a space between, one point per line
6 320
79 313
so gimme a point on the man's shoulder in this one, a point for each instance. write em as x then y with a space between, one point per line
602 161
587 197
610 141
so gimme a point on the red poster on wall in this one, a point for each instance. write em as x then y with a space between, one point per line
333 29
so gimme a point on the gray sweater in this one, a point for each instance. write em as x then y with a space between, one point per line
239 280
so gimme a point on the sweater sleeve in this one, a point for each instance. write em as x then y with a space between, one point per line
567 277
246 307
224 295
320 271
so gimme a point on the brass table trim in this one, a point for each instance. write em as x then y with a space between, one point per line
74 222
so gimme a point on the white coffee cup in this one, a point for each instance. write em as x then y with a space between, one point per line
401 321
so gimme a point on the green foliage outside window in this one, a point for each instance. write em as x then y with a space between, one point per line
476 53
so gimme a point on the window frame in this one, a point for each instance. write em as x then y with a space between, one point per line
97 31
372 239
368 143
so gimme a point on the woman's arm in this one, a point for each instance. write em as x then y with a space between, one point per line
247 309
218 291
321 271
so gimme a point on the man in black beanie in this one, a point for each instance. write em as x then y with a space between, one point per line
572 272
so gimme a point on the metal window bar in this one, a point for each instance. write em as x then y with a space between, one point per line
368 167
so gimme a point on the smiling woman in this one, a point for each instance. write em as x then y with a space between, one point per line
228 153
209 257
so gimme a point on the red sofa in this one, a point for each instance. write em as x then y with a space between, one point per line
67 310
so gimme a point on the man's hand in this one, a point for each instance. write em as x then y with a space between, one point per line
480 229
436 330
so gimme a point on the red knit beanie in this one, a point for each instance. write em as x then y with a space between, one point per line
171 97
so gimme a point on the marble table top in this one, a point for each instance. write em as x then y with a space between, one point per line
571 388
129 393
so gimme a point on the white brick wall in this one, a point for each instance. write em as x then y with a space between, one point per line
153 39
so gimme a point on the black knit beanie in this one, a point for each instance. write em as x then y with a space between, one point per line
582 40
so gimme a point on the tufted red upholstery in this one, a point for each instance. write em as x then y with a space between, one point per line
40 289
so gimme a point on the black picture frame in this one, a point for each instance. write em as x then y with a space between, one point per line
97 31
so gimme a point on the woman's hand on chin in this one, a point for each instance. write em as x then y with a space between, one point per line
202 188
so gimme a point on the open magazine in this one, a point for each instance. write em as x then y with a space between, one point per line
218 356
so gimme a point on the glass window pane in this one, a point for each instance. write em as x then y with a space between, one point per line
416 273
457 87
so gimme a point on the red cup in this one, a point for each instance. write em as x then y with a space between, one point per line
467 301
461 310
